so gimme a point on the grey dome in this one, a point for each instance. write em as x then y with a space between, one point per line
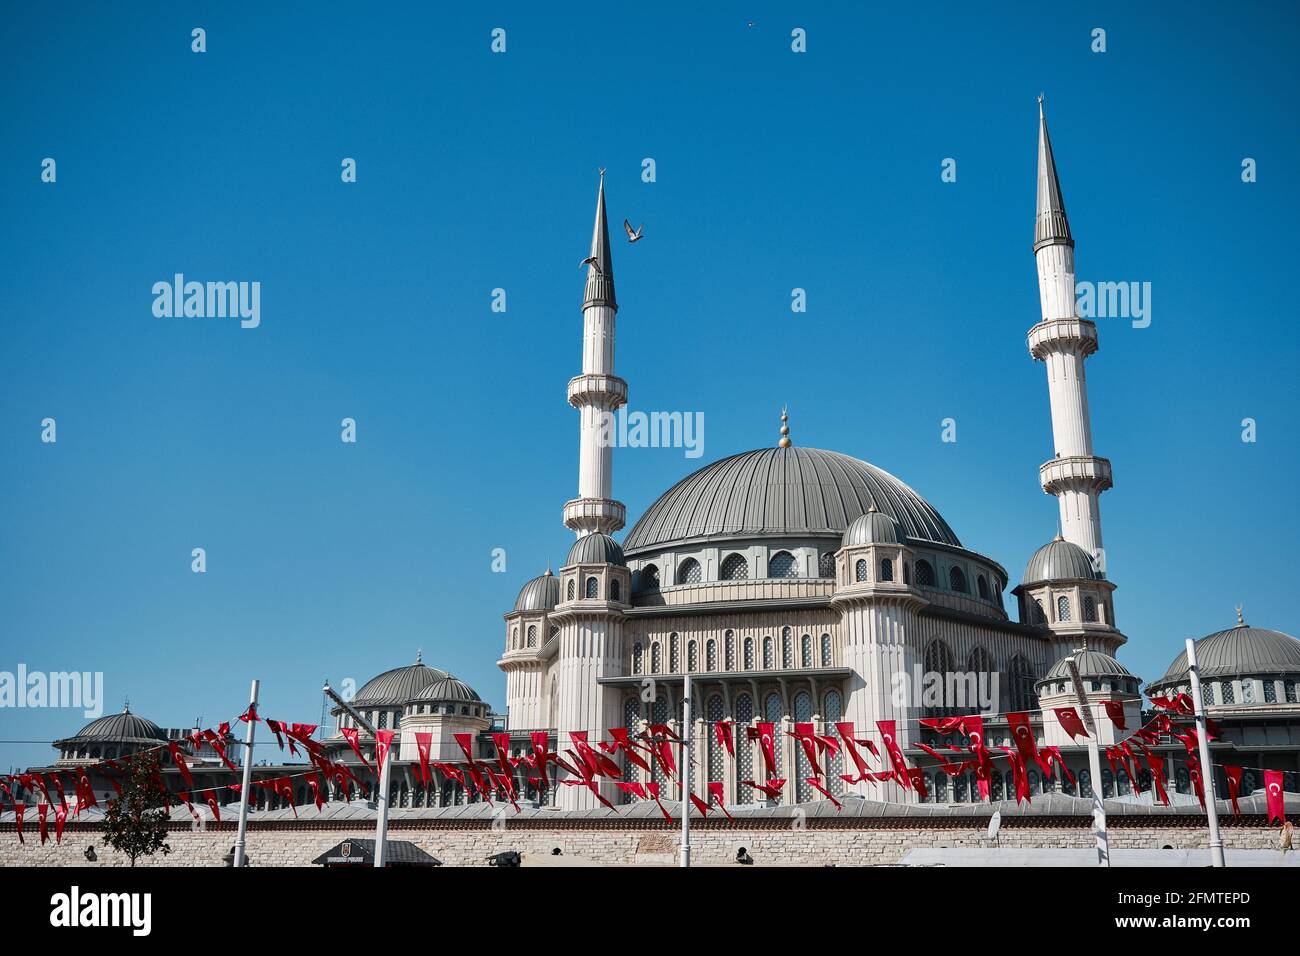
874 527
595 548
1239 651
125 727
397 686
782 491
542 593
447 688
1091 664
1060 560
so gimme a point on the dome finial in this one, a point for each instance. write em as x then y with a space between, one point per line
126 705
785 430
419 655
1241 622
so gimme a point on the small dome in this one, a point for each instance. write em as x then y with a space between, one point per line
1060 560
1091 664
874 527
125 727
447 689
542 593
397 686
595 548
1239 651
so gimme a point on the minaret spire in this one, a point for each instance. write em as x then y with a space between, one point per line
597 392
1050 224
600 264
1062 341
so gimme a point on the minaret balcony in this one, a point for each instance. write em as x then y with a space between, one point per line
606 391
594 514
1063 474
1062 335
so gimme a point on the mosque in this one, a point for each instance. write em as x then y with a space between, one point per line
793 584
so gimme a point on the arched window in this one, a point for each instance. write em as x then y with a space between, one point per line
638 654
1290 688
713 713
735 567
532 635
570 591
805 651
1021 691
886 570
1039 615
649 578
1248 691
688 572
613 589
593 588
782 565
772 712
826 565
787 648
729 651
860 570
924 574
907 573
656 658
803 711
744 747
711 656
767 653
514 637
982 584
1062 608
941 788
1089 609
674 656
749 653
938 660
957 580
980 661
826 650
555 629
1207 694
692 656
833 711
1228 691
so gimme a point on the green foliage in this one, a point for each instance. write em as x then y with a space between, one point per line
136 822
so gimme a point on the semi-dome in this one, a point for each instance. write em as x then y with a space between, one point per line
398 685
595 548
874 527
125 727
1090 664
1239 651
542 593
782 492
447 688
1060 560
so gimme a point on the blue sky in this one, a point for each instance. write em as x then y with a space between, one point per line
476 171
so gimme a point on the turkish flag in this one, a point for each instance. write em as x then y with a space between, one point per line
631 786
212 805
1276 802
700 805
1115 711
1070 722
623 743
85 793
19 808
715 793
1018 776
724 731
352 735
1022 734
42 809
653 789
845 730
806 734
663 730
423 744
60 817
541 753
887 735
219 748
1157 766
250 714
1234 786
502 743
383 743
276 728
767 741
771 789
179 759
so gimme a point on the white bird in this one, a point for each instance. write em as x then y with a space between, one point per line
594 263
632 236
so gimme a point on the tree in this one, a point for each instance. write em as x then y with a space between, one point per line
136 822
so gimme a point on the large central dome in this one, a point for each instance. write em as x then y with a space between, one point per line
782 491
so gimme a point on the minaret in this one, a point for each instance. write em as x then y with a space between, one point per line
1062 341
597 392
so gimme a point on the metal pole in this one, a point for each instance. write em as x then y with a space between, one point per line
248 780
381 805
1094 765
686 772
1207 768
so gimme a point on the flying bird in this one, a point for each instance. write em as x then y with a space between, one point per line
594 263
632 236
